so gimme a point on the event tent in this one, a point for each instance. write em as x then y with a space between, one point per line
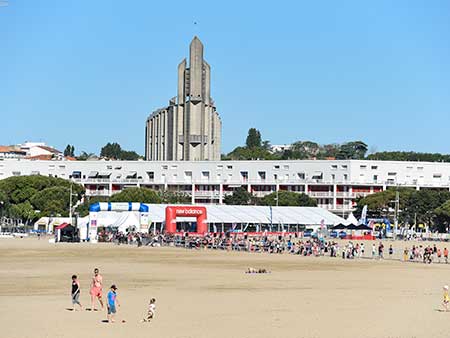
249 214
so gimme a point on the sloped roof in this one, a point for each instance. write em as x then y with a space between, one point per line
50 149
11 149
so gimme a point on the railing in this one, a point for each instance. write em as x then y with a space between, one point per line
203 193
343 207
97 192
320 193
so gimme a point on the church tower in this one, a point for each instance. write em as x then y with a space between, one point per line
189 128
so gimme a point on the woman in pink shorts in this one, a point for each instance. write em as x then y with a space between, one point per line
96 289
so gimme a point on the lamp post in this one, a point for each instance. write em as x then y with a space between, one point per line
70 203
1 212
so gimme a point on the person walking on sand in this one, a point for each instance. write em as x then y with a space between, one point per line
75 292
96 289
151 310
112 302
446 299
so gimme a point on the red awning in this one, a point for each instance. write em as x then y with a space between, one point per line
62 226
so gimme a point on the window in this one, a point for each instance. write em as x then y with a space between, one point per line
317 175
219 166
344 166
244 175
275 177
374 167
205 174
276 167
229 167
16 173
419 168
118 168
301 176
164 167
262 175
437 175
333 177
375 178
334 167
363 167
409 168
151 175
109 167
173 166
285 167
392 174
345 177
62 167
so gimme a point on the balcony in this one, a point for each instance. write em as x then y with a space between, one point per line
210 194
320 193
98 192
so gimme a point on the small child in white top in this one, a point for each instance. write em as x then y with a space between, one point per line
151 310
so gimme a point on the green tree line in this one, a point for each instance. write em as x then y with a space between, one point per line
427 206
285 198
28 198
256 148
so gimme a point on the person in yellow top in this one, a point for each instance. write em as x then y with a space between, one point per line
446 300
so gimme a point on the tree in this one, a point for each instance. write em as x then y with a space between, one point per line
111 150
355 150
129 155
69 151
253 138
23 211
115 151
85 156
289 198
239 197
408 156
420 206
245 153
443 216
22 195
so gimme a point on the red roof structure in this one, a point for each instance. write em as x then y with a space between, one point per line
62 226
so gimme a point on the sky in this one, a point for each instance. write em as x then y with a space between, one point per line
90 72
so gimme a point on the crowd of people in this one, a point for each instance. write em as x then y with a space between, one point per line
277 244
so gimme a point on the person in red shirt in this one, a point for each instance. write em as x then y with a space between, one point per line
96 289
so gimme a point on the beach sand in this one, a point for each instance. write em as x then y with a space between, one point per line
203 293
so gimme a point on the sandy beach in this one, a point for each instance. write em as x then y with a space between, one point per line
203 293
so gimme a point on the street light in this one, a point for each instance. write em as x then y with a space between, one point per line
1 212
70 203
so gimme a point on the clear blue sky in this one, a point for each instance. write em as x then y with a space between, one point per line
88 72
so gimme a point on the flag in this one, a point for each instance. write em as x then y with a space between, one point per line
363 219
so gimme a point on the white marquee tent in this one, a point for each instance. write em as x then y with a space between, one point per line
240 214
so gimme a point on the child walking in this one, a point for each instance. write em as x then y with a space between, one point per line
151 310
75 292
446 300
112 302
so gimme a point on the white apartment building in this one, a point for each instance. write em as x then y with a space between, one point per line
335 184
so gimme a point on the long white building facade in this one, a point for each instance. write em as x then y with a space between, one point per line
334 184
